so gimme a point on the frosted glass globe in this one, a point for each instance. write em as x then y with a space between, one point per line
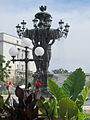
39 51
13 51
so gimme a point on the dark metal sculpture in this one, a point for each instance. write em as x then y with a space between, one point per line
44 36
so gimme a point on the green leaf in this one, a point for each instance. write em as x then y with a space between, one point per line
85 92
74 84
7 100
48 107
41 106
1 102
83 96
3 69
52 107
81 116
68 108
55 89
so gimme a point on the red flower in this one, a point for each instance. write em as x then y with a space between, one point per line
10 83
5 85
37 83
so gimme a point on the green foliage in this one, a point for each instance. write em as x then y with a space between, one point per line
74 84
25 109
55 89
65 106
59 71
7 102
4 104
85 92
83 116
68 108
2 88
1 102
48 107
65 103
87 116
4 68
83 96
71 96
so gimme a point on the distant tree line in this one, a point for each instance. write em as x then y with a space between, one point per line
60 71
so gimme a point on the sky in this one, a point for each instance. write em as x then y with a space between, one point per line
70 53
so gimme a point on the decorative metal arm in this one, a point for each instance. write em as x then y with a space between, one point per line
21 29
42 23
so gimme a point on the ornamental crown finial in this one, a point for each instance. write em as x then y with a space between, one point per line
43 8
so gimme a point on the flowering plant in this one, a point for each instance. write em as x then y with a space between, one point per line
25 108
37 84
7 86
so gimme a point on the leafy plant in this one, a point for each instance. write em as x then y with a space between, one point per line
74 84
4 70
83 116
24 109
55 89
4 104
48 107
82 97
68 108
71 96
65 103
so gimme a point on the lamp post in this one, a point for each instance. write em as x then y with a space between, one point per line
43 35
14 51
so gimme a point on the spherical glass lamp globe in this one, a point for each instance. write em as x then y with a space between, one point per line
39 51
26 42
13 51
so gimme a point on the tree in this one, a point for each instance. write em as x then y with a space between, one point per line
4 68
59 71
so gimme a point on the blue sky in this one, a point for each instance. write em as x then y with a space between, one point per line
69 53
